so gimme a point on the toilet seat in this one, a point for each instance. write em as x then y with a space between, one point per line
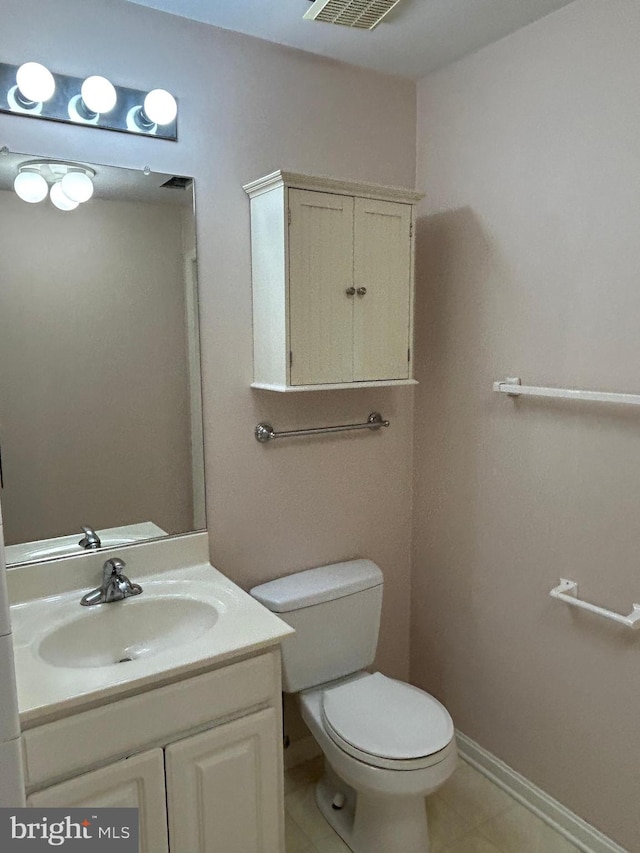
387 723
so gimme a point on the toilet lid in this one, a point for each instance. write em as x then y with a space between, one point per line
382 717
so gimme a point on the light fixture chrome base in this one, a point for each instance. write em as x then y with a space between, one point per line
65 106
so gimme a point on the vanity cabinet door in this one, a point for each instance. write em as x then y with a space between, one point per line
136 782
224 788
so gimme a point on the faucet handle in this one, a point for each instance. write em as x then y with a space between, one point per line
90 540
113 568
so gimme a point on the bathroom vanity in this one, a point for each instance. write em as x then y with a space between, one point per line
169 701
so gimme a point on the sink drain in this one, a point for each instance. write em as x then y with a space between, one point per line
123 660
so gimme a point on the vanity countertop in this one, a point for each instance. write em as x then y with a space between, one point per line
221 622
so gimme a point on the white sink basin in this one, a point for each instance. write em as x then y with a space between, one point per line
186 619
122 631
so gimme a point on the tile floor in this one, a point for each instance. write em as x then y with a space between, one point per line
467 815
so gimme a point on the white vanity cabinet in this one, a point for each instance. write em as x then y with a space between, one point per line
200 758
332 273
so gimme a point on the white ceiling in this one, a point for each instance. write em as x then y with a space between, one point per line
416 37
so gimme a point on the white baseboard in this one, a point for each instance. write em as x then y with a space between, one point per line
299 751
569 825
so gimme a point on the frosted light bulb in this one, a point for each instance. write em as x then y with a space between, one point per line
160 106
77 186
35 82
31 187
98 94
61 201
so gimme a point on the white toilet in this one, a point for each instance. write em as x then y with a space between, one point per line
386 744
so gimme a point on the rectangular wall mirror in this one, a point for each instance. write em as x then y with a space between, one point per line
100 389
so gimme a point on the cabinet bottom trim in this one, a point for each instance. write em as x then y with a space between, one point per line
352 386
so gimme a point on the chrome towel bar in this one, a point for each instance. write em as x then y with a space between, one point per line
567 591
513 388
265 432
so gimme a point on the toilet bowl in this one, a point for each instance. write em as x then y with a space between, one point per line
386 744
389 767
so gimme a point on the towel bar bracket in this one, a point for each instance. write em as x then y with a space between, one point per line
512 380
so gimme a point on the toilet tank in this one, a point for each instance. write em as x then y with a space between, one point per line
335 611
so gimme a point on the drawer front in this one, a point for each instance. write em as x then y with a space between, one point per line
78 742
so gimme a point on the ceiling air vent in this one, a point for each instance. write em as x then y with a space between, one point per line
365 14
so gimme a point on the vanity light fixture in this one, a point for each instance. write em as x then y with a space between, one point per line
32 90
97 97
67 184
34 86
158 109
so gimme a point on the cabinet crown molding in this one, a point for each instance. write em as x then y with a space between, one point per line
299 181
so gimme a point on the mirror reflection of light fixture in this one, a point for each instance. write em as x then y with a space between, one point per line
32 90
31 186
77 186
60 199
67 184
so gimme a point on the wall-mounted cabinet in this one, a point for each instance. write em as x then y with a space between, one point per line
332 273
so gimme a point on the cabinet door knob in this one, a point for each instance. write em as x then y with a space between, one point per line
361 291
350 291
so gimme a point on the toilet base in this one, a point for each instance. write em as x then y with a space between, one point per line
373 823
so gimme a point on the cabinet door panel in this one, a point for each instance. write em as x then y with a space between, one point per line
382 265
136 782
320 273
224 790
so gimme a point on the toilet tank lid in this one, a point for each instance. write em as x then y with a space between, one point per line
314 586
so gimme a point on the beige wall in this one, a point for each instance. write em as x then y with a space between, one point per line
528 266
246 108
94 411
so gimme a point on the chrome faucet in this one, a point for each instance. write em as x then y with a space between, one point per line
115 585
90 540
